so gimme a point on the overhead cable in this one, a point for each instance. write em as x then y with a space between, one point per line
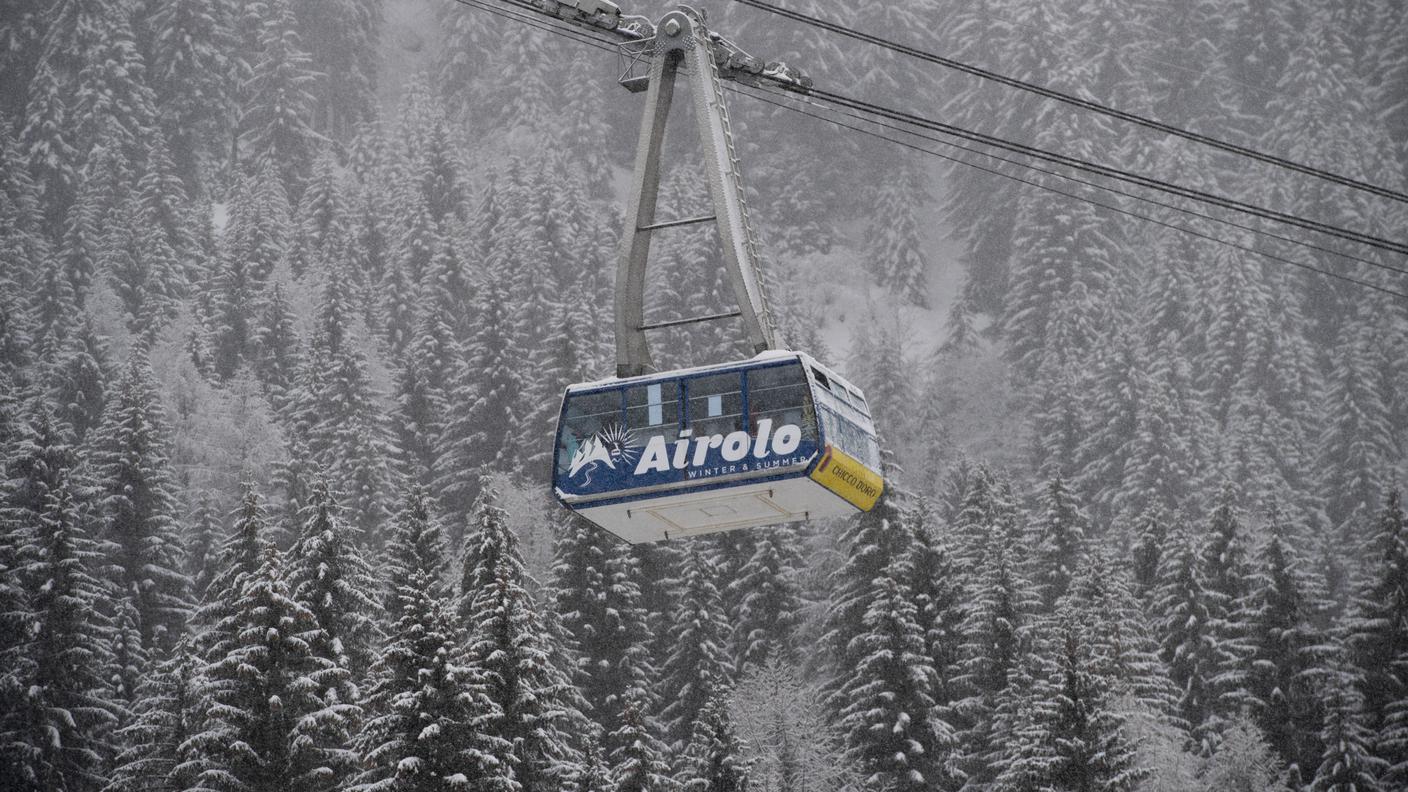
581 36
1073 196
1096 185
1112 173
1076 101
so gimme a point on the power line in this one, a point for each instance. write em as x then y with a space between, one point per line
1075 101
1081 198
584 37
1113 173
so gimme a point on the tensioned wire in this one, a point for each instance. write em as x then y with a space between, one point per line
1076 101
582 36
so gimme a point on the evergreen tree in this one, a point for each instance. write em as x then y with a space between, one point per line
430 720
484 391
639 762
165 716
939 602
192 63
1188 643
508 647
1059 539
892 732
1286 654
55 738
276 114
1378 630
341 36
78 382
330 577
713 761
126 663
895 251
269 723
997 638
697 660
1076 740
138 507
1124 649
769 601
1355 441
1348 764
872 542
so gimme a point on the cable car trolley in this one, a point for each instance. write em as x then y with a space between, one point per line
779 437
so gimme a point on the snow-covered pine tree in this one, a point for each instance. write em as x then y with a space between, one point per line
979 507
639 761
1187 640
277 356
238 559
940 603
346 426
483 393
276 111
342 38
207 532
697 661
1244 760
78 381
138 508
615 669
769 601
1150 532
1355 443
193 70
56 737
1286 651
329 575
894 251
1377 637
997 636
1076 740
429 719
1123 648
886 703
1059 536
871 542
1228 575
127 664
269 723
510 653
156 757
714 759
1348 763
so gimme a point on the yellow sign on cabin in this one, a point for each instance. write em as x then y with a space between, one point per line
846 476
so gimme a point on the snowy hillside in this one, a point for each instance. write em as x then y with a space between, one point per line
290 291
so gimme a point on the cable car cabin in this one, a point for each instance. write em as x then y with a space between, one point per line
773 439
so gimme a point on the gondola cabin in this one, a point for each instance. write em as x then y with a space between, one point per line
773 439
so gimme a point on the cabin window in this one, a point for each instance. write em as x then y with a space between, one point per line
587 414
779 394
653 406
715 404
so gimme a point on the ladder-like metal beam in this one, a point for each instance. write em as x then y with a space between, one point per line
682 40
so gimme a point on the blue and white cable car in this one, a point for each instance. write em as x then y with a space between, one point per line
773 439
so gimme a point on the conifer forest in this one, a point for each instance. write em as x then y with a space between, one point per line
290 291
